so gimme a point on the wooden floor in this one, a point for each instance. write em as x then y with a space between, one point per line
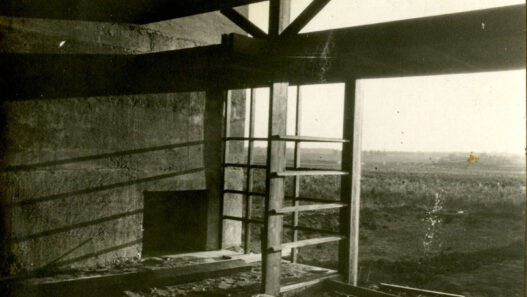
217 273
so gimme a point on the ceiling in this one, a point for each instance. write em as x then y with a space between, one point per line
484 40
122 11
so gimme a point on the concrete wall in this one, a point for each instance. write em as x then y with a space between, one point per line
74 169
22 35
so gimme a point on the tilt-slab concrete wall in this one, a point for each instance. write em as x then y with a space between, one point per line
74 170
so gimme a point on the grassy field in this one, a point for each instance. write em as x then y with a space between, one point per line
436 223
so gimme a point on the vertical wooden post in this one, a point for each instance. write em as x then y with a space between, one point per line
276 162
226 114
298 123
249 177
213 169
350 185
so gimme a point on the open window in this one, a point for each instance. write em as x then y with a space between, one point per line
443 183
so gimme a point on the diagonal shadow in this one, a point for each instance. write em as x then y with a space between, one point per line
103 188
99 156
97 253
76 226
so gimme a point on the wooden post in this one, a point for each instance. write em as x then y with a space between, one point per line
350 186
213 169
226 113
276 162
249 177
298 123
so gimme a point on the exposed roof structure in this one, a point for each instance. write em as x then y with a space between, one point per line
484 40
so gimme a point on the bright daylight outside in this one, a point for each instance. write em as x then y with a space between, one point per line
443 166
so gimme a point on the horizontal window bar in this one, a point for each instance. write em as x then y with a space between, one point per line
256 166
288 226
306 242
310 172
309 207
243 192
308 139
245 139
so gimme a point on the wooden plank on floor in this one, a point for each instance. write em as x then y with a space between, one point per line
330 274
338 286
115 283
411 290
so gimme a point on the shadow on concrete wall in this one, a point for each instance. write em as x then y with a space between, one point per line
90 245
99 156
103 188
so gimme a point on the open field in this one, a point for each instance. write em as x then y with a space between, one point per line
442 225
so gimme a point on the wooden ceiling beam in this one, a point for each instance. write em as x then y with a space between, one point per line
129 11
484 40
455 43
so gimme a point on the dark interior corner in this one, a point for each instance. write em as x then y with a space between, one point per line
174 222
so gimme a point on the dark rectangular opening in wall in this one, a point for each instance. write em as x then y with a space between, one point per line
174 222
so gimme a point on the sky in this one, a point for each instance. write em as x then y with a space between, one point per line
482 112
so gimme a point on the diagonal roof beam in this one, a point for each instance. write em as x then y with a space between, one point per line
305 17
242 22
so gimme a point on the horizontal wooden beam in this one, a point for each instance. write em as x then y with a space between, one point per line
417 291
130 11
310 172
308 199
244 165
354 290
309 207
87 75
116 283
84 75
456 43
242 22
234 138
243 192
483 40
319 278
287 226
308 139
306 242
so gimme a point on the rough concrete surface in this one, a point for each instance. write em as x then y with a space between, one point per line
74 170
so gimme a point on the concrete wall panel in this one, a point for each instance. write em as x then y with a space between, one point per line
74 170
